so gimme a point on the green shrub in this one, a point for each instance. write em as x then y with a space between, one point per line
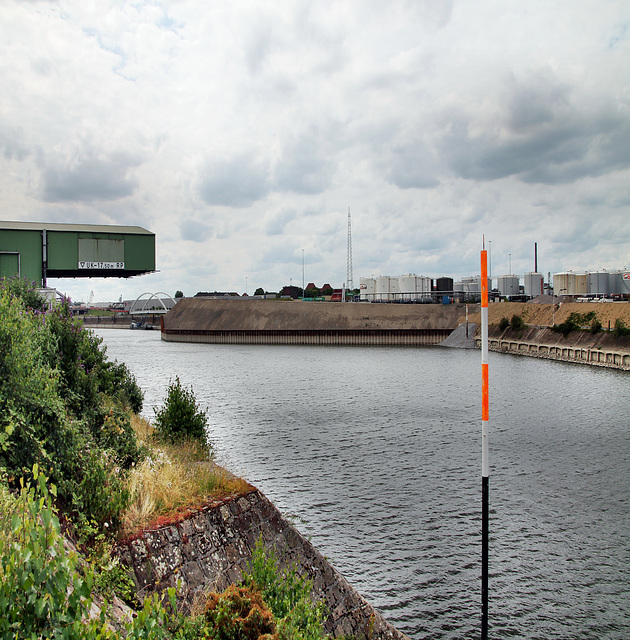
504 323
517 323
238 613
45 592
41 592
596 326
288 595
181 418
620 328
54 380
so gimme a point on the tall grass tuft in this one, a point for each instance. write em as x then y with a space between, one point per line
173 479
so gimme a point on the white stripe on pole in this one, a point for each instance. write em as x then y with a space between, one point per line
485 464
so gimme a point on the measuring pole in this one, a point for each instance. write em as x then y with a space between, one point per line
485 466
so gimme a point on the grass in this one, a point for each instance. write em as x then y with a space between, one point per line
173 480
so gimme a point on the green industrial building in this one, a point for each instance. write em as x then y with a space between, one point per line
38 251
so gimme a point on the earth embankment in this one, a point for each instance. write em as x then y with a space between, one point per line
544 315
318 323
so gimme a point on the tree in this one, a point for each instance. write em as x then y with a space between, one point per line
179 294
259 292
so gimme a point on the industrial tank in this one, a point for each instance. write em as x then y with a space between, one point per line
413 287
533 284
570 283
619 282
368 286
444 285
508 285
598 283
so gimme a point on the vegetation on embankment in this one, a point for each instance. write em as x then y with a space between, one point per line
75 461
544 315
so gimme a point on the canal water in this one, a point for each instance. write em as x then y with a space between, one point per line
375 454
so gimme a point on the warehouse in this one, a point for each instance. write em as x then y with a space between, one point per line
37 251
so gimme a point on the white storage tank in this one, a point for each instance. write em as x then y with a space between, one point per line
508 285
598 283
408 284
367 288
570 283
411 286
581 284
561 283
619 282
386 289
533 284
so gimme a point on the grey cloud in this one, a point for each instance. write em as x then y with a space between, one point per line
12 144
542 137
195 231
306 165
90 179
237 182
411 165
276 223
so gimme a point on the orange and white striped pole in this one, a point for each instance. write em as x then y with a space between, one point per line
485 465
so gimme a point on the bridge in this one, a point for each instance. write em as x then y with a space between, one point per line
139 306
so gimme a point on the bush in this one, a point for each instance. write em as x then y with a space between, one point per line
181 418
238 613
504 323
596 326
41 592
44 590
54 410
517 323
620 328
288 596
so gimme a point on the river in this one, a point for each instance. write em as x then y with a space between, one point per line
375 454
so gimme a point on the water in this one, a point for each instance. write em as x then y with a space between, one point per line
375 453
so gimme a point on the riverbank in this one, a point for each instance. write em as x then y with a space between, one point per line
213 547
538 340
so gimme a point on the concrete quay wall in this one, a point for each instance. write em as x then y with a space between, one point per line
599 350
213 547
318 323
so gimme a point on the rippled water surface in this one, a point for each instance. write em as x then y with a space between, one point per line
375 453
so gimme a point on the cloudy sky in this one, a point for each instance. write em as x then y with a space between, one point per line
240 132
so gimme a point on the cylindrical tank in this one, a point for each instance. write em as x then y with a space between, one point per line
597 283
381 290
561 283
444 284
581 284
533 284
368 286
619 282
408 284
569 283
508 285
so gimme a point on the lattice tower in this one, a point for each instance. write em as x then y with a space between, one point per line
349 278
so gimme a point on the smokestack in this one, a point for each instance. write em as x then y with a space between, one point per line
535 257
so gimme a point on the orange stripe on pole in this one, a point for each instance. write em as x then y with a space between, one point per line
485 412
484 278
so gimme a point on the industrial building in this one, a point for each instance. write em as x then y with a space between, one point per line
38 251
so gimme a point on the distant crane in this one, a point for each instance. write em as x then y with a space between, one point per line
349 277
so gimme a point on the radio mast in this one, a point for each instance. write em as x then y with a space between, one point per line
349 278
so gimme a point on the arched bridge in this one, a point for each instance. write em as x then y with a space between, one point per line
142 305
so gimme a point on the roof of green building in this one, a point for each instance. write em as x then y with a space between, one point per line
81 228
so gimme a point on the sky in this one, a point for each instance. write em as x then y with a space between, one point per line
241 132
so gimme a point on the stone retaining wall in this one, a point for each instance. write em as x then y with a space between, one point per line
212 549
579 347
